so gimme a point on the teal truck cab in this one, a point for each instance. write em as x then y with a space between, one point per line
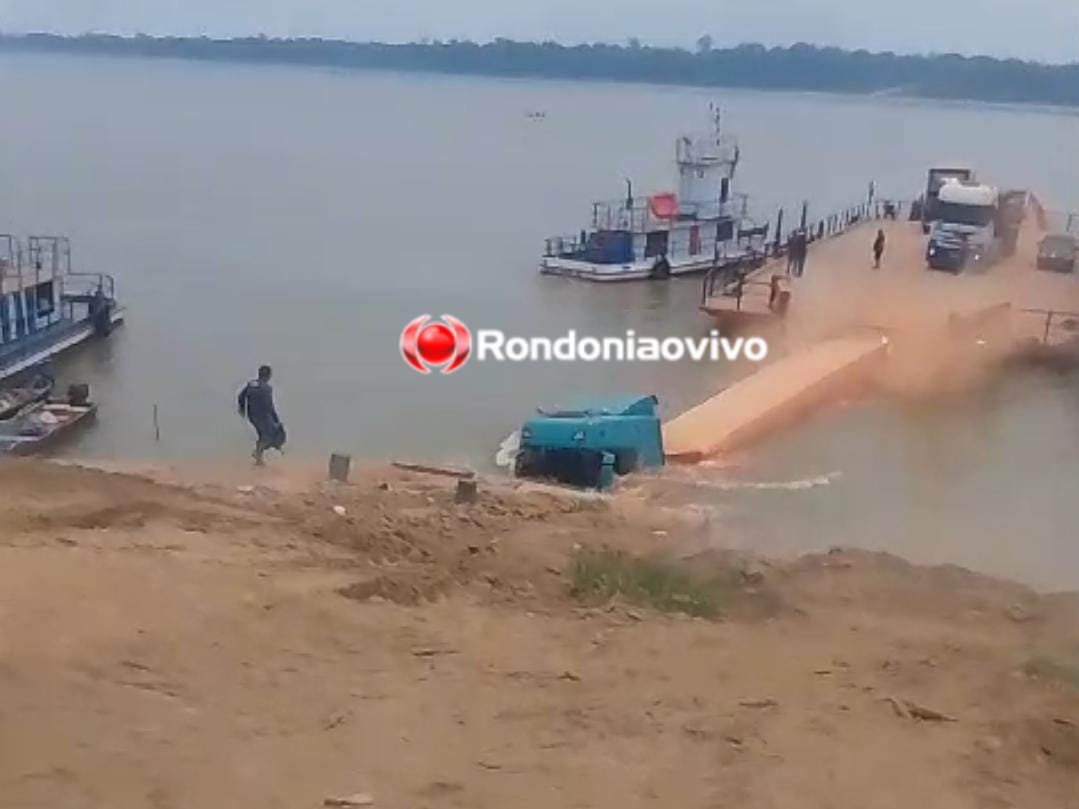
590 445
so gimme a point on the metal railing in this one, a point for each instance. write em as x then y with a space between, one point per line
86 285
38 254
40 259
635 214
720 279
1067 321
834 224
1063 222
737 289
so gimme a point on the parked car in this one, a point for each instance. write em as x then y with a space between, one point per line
1057 252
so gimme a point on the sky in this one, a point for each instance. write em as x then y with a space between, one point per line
1045 30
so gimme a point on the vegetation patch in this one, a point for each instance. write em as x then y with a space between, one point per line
1058 669
599 575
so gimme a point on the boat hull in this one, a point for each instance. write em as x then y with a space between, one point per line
62 340
613 273
76 419
13 402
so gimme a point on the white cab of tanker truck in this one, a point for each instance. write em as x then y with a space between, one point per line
964 233
937 178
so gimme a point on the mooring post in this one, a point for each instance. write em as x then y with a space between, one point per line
339 467
467 491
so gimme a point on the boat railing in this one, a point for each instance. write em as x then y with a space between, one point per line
710 148
636 215
563 246
83 286
39 258
49 252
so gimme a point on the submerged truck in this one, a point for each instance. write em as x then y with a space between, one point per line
974 225
591 445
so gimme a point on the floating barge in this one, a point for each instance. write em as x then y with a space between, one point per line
46 307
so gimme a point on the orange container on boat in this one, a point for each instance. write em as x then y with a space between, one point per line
663 206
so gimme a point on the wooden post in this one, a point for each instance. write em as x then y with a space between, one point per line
157 426
339 467
467 491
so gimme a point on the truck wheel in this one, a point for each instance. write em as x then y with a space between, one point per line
626 461
525 466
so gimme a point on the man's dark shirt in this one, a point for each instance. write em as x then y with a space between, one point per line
256 402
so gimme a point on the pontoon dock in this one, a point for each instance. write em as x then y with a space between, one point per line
844 318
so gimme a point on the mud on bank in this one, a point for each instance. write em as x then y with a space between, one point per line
197 645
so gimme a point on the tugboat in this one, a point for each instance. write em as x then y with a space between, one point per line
704 225
45 307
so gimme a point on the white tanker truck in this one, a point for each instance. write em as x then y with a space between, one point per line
974 225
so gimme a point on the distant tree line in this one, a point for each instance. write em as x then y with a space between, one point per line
798 67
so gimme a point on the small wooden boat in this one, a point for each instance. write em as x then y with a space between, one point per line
40 427
14 400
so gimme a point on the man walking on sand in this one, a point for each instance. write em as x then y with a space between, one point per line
878 248
257 406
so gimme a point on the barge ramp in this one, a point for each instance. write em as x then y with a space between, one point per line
777 394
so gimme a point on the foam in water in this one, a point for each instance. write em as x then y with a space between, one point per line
698 481
507 450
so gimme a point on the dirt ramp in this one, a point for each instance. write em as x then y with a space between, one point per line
382 639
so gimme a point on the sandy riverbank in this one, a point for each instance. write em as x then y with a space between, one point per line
166 645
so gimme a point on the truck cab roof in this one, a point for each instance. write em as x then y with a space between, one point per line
614 406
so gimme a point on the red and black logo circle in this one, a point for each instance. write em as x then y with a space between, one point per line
446 344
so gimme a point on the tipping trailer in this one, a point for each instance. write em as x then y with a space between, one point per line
1012 210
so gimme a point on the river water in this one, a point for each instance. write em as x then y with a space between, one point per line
301 217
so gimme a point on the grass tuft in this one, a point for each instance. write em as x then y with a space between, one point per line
597 576
1054 669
